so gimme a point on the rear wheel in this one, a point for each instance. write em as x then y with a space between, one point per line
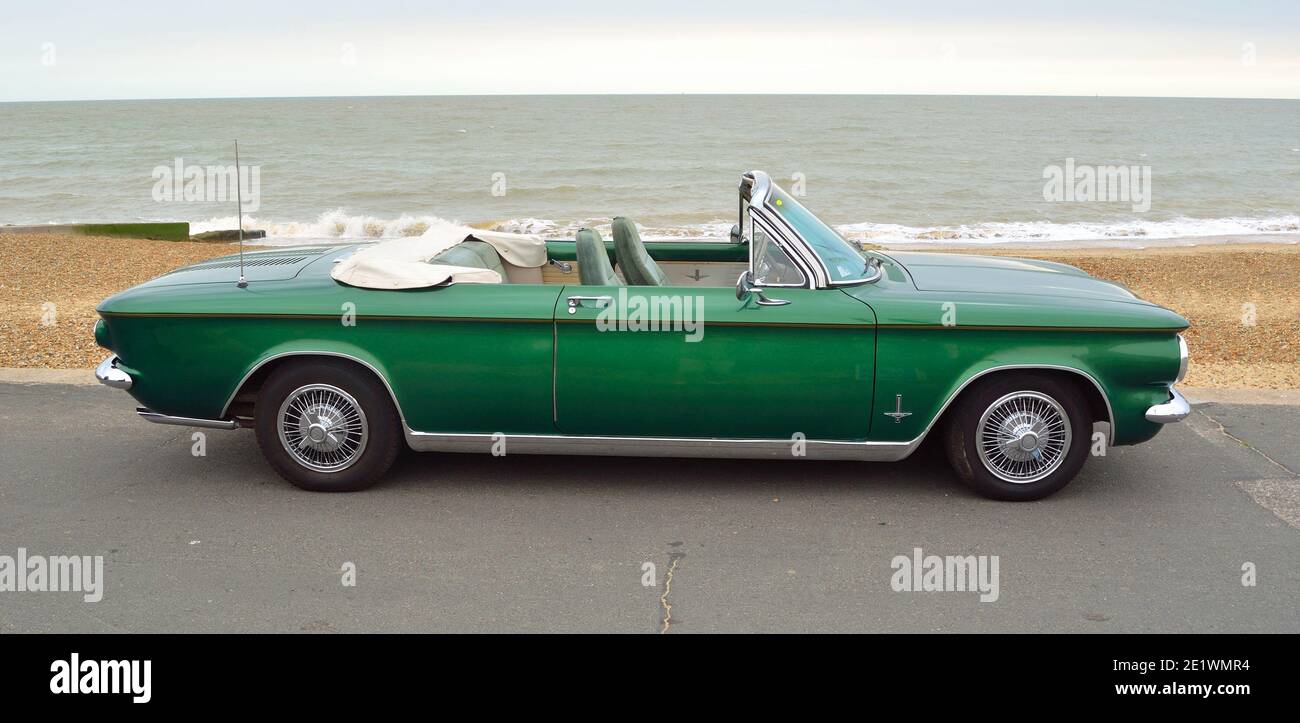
327 426
1019 438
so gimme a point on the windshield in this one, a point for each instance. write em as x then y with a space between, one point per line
844 262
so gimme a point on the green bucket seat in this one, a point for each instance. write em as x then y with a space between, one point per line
635 262
594 268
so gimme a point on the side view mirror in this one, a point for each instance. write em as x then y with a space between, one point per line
735 233
744 284
745 288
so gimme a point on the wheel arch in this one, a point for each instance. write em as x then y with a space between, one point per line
251 383
1094 393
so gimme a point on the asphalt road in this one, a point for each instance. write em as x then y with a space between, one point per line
1150 538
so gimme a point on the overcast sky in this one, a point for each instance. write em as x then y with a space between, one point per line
52 50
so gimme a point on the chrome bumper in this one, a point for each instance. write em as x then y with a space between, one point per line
151 416
1171 411
109 375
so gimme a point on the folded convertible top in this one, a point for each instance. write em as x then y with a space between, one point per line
404 263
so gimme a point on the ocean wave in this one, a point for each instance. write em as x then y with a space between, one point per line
338 224
1045 231
335 224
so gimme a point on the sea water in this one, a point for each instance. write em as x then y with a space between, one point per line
887 169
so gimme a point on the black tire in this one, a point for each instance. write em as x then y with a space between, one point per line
374 449
992 475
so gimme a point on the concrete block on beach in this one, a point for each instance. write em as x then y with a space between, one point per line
166 231
228 235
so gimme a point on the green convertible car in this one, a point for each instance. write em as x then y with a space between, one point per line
785 342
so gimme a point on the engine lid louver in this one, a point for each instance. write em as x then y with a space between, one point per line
248 263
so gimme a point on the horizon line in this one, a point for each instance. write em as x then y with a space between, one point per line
646 94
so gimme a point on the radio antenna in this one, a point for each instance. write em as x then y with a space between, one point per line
239 199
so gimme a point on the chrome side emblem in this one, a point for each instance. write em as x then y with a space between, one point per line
898 412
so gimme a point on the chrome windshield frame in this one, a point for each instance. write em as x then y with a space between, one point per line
757 184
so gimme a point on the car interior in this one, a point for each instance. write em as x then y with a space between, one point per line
590 260
594 268
633 259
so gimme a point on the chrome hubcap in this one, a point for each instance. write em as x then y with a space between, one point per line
1023 437
323 428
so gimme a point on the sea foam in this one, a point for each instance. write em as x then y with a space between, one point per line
338 224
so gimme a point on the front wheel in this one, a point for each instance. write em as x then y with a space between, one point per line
327 426
1019 438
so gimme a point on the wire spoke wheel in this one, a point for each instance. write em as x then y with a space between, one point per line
322 427
1023 437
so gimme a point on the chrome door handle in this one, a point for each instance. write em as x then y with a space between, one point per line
576 301
762 299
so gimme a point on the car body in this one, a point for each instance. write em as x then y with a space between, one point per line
818 351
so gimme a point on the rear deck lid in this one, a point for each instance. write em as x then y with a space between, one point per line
276 264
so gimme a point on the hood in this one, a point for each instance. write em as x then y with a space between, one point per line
970 273
275 264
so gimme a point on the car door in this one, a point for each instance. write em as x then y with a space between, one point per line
467 358
698 362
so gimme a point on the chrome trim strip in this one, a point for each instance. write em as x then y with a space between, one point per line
334 317
795 245
1174 410
821 273
156 418
759 210
225 410
1183 356
1074 329
880 274
711 447
110 376
661 446
555 371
